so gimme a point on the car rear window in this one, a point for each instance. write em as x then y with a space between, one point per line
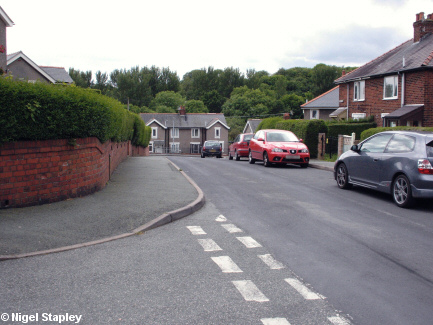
429 148
248 137
212 144
401 143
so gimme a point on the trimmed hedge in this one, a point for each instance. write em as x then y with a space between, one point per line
42 111
370 132
307 130
334 129
269 123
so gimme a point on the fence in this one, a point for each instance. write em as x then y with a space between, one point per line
334 145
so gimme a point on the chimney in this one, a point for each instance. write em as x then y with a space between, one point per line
286 116
343 73
422 26
182 110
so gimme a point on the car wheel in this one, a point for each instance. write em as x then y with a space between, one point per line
237 156
202 155
219 156
230 156
402 192
342 176
251 160
266 162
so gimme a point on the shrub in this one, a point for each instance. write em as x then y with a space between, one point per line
269 123
307 130
334 129
370 132
42 111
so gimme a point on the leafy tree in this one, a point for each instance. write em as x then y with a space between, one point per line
101 82
236 125
82 79
195 106
248 102
254 78
213 101
292 104
323 77
168 99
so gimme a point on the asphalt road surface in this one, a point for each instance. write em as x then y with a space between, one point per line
371 259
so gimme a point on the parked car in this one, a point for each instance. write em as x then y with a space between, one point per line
395 162
239 147
278 147
211 148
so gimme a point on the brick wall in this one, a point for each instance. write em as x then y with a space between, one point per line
39 172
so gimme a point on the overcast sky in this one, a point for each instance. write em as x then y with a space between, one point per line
187 34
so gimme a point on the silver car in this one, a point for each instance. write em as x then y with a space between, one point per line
395 162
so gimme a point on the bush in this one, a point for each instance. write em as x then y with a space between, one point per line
269 123
42 111
308 130
334 129
370 132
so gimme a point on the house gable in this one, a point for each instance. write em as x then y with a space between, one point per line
21 67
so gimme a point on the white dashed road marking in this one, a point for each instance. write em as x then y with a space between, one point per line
303 290
271 262
196 230
226 264
231 228
275 321
221 218
209 245
249 291
249 242
338 321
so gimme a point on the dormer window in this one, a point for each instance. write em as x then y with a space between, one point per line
359 90
390 87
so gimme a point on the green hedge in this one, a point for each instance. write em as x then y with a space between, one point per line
42 111
370 132
334 129
307 130
269 123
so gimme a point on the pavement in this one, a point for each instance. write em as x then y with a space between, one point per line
143 193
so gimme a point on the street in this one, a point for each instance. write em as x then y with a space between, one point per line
371 259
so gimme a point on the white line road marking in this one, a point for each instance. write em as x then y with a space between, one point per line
303 290
249 291
196 230
249 242
226 264
338 320
275 321
231 228
271 262
221 218
209 245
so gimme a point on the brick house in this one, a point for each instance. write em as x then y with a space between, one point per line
185 132
397 87
5 22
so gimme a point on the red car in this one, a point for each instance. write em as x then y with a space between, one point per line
278 147
239 147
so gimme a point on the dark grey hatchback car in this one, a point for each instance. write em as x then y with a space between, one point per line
395 162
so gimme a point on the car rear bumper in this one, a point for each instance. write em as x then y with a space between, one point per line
242 152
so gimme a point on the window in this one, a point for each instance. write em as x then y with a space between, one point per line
359 90
175 133
314 114
401 143
217 133
390 87
154 133
376 144
195 133
174 147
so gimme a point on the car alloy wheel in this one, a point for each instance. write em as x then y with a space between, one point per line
251 160
230 156
237 157
342 176
266 162
401 192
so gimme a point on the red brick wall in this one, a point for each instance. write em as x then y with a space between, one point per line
39 172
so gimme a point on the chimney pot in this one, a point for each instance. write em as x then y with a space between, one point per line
422 26
286 116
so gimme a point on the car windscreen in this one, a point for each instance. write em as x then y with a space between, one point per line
429 148
281 137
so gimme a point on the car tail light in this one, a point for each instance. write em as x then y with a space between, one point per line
425 167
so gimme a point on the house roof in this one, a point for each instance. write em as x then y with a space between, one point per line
58 74
407 56
190 120
5 18
328 100
339 111
20 55
404 110
253 123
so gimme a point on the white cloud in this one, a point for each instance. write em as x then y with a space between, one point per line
191 34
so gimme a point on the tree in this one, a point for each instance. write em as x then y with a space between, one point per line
101 82
195 106
168 99
292 104
81 79
213 101
248 103
323 77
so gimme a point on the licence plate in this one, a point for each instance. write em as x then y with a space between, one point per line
293 157
212 150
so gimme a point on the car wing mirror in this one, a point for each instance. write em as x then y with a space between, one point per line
355 148
260 139
301 140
